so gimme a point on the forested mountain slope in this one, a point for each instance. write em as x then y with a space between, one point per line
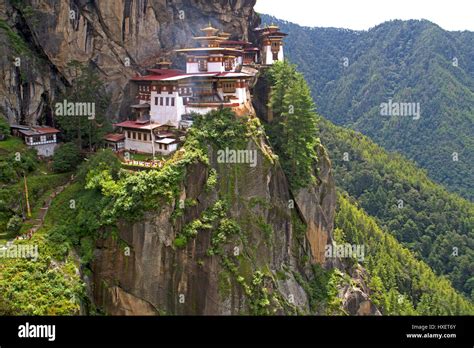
399 283
409 211
353 73
437 225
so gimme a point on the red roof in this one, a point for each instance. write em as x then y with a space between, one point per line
156 77
114 137
46 130
136 125
159 74
38 131
165 71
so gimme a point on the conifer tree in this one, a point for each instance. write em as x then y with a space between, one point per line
293 132
86 88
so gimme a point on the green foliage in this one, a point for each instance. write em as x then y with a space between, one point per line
28 161
15 161
225 229
75 218
44 286
7 173
293 130
17 43
104 159
4 128
11 145
322 290
5 307
401 284
106 193
408 61
40 287
213 218
220 128
66 158
431 221
14 224
86 88
211 180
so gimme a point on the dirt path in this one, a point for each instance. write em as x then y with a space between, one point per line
39 221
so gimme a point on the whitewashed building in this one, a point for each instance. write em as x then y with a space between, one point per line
43 139
213 79
271 44
218 74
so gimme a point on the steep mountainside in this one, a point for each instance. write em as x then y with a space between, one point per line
118 38
220 270
436 225
352 73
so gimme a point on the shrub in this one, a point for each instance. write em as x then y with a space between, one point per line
7 174
14 224
4 129
66 158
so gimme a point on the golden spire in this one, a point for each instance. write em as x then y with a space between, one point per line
210 30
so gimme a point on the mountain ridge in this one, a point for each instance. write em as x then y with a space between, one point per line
352 73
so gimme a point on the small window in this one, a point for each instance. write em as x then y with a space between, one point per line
161 101
202 64
128 135
156 100
172 101
229 87
228 64
134 135
139 136
167 101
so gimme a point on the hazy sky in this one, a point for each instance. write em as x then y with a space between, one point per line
364 14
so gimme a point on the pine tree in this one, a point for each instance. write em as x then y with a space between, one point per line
86 88
294 130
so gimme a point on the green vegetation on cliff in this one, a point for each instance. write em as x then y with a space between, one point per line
293 129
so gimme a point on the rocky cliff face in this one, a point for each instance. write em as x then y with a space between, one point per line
264 268
158 278
119 38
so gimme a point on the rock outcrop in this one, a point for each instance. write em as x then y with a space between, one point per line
356 295
119 38
190 281
317 204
